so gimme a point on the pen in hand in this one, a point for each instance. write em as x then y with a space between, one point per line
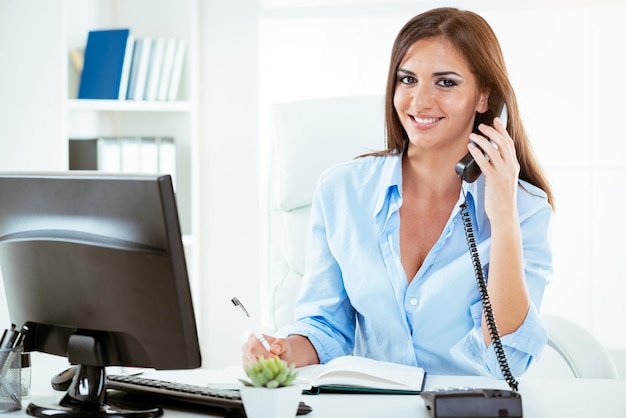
256 333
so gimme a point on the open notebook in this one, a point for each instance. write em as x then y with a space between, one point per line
362 375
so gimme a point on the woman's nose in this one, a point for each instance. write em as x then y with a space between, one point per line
422 96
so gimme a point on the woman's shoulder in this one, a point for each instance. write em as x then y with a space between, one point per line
359 183
531 199
532 192
361 168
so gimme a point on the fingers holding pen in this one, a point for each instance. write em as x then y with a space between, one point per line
252 349
258 344
255 348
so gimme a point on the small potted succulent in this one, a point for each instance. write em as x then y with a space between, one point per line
270 392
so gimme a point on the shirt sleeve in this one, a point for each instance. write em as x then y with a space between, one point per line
323 311
522 347
525 345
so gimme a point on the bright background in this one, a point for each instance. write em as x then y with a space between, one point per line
565 59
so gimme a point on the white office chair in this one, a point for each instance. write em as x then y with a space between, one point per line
572 352
310 136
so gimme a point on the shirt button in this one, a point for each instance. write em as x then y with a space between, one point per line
413 301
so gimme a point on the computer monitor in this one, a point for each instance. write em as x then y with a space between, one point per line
94 266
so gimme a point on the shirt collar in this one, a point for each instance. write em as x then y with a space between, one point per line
390 189
390 184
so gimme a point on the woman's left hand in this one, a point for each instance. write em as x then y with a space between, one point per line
500 168
507 286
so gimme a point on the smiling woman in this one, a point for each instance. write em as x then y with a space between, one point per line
571 114
375 281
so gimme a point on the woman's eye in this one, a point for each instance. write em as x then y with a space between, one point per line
406 79
446 82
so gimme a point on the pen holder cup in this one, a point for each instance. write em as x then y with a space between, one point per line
10 379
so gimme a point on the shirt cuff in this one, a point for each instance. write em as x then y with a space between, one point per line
327 348
522 347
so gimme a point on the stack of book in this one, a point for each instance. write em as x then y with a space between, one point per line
125 154
118 66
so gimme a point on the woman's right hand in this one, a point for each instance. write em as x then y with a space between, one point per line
253 349
295 349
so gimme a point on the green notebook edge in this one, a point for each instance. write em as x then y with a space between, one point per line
316 390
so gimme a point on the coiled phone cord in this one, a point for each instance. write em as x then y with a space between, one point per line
484 297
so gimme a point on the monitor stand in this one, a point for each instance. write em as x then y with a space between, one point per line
87 398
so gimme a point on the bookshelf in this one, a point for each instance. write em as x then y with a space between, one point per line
88 119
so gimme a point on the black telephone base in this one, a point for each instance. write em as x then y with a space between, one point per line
470 402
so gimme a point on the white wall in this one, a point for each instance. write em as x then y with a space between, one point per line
229 181
31 75
565 60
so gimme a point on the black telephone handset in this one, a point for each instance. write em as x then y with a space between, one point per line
467 168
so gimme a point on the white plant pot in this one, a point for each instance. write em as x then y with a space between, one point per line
271 403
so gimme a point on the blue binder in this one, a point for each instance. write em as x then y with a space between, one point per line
108 56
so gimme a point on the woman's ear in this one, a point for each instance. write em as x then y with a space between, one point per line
483 101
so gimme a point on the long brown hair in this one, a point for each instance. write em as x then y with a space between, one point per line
478 44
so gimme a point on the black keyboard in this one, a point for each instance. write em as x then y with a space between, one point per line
182 393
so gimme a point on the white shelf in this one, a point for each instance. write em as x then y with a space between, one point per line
129 105
86 118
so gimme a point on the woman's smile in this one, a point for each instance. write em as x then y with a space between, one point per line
425 122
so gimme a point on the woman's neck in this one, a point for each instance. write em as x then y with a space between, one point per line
431 177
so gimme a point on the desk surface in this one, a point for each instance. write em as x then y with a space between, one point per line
549 398
570 398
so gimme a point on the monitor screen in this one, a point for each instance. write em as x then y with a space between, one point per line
94 266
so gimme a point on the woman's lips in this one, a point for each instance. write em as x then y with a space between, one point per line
424 122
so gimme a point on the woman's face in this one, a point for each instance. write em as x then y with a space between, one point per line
436 95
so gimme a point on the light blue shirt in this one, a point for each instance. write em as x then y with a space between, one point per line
355 297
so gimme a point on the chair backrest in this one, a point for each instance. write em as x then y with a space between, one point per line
309 136
581 351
